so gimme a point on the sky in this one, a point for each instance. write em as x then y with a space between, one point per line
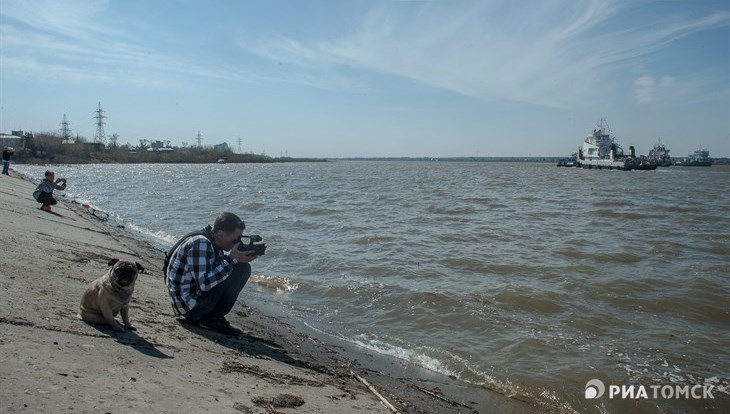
442 78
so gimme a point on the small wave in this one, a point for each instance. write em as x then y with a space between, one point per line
161 236
478 266
665 248
627 258
450 211
625 216
654 366
679 209
531 300
448 364
368 240
612 203
276 284
404 354
572 253
719 237
317 212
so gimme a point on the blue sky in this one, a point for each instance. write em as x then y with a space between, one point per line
373 78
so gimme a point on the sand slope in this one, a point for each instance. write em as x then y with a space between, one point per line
50 361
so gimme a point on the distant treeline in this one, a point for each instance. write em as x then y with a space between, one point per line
461 159
49 148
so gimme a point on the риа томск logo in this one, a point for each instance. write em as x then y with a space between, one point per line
595 388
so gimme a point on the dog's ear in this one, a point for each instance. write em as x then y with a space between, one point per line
139 267
112 262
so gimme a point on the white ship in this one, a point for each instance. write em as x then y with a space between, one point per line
601 151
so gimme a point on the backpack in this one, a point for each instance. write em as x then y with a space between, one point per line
37 193
207 232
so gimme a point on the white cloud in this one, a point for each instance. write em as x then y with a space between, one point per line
560 53
55 40
645 86
557 53
670 90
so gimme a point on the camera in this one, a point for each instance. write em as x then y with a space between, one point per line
254 243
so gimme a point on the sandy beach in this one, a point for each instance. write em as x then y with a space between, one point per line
53 362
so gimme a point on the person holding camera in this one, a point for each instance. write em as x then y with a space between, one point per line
206 272
7 153
44 192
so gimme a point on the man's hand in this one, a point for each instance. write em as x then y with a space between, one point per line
242 257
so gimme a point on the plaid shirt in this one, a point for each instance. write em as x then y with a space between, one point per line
195 268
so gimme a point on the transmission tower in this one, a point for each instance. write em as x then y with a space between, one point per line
200 139
100 137
239 144
66 130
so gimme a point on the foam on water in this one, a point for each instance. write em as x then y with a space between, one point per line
160 236
280 285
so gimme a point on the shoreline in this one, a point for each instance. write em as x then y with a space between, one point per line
54 362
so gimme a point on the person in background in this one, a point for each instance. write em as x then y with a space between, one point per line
7 153
44 192
206 273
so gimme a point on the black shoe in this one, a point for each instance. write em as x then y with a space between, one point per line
220 325
188 320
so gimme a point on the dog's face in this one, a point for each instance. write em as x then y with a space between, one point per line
124 273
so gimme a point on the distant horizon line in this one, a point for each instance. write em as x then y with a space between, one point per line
546 158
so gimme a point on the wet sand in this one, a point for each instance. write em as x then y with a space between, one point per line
50 361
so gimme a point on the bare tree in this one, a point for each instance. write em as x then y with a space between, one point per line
113 139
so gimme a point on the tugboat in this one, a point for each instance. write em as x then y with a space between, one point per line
600 151
570 162
659 155
699 158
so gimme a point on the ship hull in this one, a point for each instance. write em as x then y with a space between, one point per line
616 165
696 164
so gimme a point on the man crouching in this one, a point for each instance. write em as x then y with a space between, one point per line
203 280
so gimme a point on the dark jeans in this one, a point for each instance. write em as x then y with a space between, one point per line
47 199
218 302
6 164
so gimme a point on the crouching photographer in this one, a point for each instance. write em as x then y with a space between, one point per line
44 192
206 270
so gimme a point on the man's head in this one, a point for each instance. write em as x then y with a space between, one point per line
50 175
227 229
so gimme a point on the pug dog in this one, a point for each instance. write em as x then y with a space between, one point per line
110 295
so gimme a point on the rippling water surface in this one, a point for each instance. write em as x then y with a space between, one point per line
522 278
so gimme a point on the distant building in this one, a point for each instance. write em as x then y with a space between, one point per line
161 146
222 147
14 140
